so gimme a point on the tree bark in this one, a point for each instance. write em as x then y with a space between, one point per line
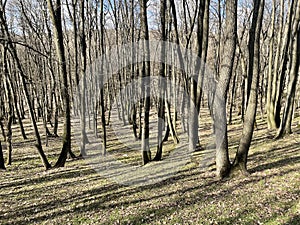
219 105
9 107
2 165
146 154
282 70
102 105
162 86
270 112
55 13
253 72
276 80
285 125
82 91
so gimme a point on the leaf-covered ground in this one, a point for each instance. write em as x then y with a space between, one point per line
77 194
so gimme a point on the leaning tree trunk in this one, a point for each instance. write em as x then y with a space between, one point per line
220 97
286 40
55 13
254 70
294 73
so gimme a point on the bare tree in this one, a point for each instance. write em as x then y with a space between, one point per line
55 13
219 105
285 125
161 108
253 73
146 154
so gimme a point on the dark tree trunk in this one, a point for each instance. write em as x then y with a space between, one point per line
102 105
2 165
55 13
285 126
146 154
283 66
162 86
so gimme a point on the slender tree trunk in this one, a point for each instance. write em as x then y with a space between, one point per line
146 154
219 105
9 138
162 86
170 123
12 86
2 130
286 42
55 13
276 82
270 113
102 105
9 107
203 56
177 41
294 73
83 80
254 70
2 164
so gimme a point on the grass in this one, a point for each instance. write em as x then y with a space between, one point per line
76 194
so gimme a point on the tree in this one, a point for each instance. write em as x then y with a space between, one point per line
2 164
55 13
219 105
285 125
9 106
102 105
253 73
146 154
278 63
161 104
82 92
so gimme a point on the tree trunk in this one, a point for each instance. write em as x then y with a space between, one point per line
2 165
219 104
253 71
270 111
102 105
294 73
82 91
9 107
162 86
146 154
55 13
276 79
193 113
283 66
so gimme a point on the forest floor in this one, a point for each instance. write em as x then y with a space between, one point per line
76 194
